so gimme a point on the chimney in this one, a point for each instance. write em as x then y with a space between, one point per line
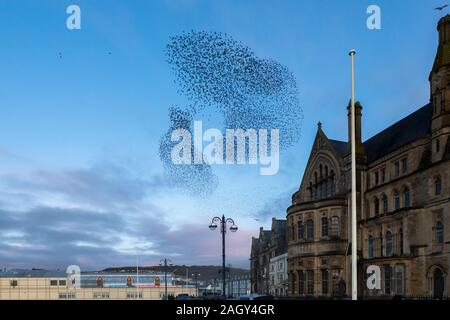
358 116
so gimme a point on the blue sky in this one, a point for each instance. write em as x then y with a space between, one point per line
80 177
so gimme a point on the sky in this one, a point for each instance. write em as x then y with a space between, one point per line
82 113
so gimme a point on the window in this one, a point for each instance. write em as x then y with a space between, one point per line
401 240
324 227
406 201
324 281
100 295
396 200
438 145
301 282
388 243
309 229
53 282
385 203
397 168
383 175
437 186
439 233
399 279
376 178
370 247
62 282
404 165
293 284
335 226
67 295
13 283
301 230
381 244
310 279
387 279
377 206
135 295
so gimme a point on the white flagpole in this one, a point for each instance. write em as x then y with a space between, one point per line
354 220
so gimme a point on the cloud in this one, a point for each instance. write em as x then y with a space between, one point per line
99 217
275 207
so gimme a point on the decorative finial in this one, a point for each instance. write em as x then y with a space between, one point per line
319 125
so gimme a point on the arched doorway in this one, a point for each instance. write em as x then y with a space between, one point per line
438 283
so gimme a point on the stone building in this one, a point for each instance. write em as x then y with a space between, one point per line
269 244
403 204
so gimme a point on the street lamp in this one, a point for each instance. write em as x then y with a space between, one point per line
165 263
223 229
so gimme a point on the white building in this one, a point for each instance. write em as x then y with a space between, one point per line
278 276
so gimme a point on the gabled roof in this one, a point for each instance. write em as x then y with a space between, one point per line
413 127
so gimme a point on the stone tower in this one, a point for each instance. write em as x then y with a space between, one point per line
440 94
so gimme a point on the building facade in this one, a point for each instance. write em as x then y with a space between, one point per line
279 276
269 244
56 285
403 203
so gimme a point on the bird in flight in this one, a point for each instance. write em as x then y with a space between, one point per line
441 8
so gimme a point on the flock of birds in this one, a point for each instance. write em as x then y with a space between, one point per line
221 76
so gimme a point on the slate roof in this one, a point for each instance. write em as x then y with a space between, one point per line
413 127
339 146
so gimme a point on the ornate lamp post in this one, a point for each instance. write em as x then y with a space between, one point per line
165 263
223 229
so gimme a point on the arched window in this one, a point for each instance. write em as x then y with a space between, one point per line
310 229
396 200
376 203
321 172
437 186
385 203
370 247
335 226
315 177
324 227
439 233
388 243
333 187
310 190
326 171
301 282
406 200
